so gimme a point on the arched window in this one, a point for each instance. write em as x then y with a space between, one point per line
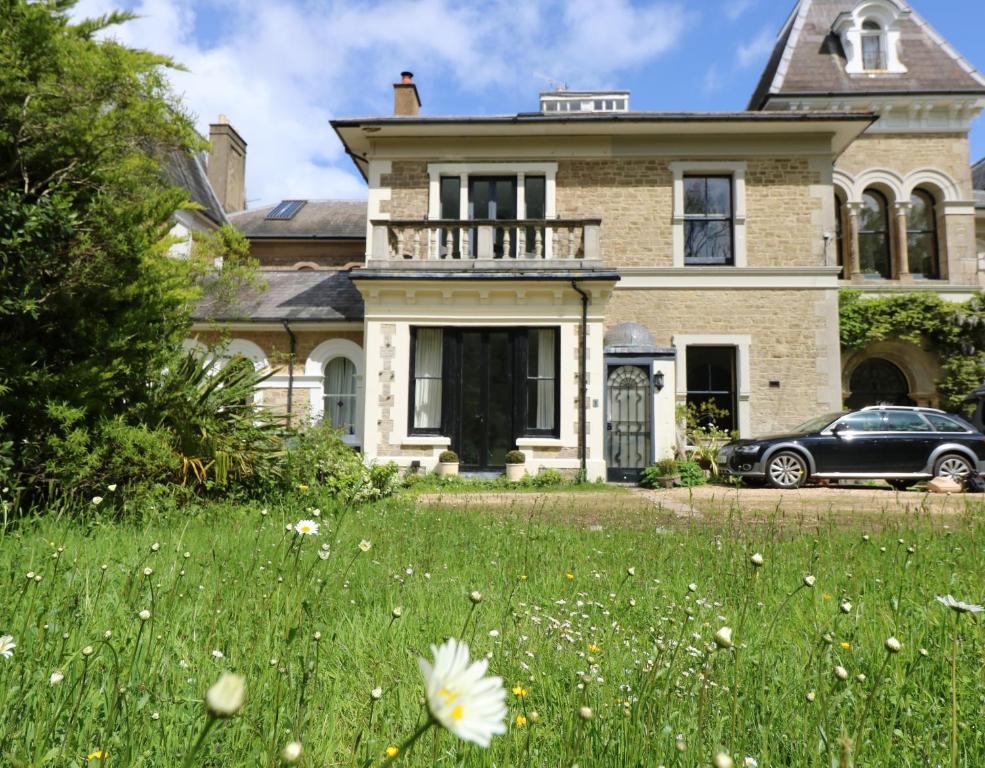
873 46
878 382
340 394
873 235
840 233
921 235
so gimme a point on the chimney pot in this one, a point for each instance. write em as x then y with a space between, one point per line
227 165
406 100
406 77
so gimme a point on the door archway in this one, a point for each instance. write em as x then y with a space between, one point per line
877 381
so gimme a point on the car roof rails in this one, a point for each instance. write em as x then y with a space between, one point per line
918 408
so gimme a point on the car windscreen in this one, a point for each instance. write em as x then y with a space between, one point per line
816 424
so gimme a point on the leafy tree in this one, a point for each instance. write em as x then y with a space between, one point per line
955 332
91 306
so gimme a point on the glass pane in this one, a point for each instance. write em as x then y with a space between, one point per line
451 199
874 254
541 378
944 424
872 217
428 361
708 242
903 421
719 196
922 254
872 55
694 195
869 421
921 216
535 189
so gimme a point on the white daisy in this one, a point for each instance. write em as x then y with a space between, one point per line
56 677
7 646
949 602
460 697
306 528
225 698
365 545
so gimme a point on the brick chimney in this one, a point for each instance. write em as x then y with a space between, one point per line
227 165
406 101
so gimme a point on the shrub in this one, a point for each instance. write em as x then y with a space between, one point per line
448 457
654 475
516 457
547 478
691 474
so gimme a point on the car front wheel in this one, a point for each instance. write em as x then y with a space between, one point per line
953 467
786 470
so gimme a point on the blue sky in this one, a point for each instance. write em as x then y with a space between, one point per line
281 70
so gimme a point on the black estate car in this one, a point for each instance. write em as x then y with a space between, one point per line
898 444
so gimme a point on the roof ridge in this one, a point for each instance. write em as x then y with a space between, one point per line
796 26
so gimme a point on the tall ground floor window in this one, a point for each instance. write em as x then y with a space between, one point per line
711 386
484 388
340 394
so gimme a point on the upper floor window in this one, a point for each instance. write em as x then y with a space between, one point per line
873 235
873 46
921 235
708 221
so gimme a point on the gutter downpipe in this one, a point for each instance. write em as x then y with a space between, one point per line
290 370
583 380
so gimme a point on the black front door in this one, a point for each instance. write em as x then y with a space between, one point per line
628 403
485 433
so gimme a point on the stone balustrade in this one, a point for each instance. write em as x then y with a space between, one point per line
505 242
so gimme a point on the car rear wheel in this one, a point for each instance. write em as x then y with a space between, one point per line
953 467
786 470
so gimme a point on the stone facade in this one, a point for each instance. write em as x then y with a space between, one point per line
273 254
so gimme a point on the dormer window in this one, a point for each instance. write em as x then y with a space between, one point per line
871 35
873 46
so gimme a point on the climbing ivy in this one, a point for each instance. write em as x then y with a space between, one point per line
954 332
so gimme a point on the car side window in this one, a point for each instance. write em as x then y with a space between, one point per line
945 424
906 421
864 421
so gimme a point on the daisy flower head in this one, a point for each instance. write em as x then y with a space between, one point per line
957 606
225 698
7 646
365 545
723 760
757 560
723 638
306 528
893 645
56 677
291 753
459 695
97 500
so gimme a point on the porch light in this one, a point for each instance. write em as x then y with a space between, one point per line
658 380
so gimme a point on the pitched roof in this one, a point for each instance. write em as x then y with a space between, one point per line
315 220
978 174
292 295
187 170
808 59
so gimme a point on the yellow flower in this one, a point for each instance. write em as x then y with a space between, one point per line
302 487
521 721
826 596
592 648
519 691
97 755
392 751
569 576
846 646
523 577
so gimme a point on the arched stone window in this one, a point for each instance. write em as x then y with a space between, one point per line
840 233
341 394
873 46
875 256
878 382
921 234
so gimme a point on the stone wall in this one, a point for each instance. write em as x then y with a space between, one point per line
277 346
903 153
793 341
408 183
326 255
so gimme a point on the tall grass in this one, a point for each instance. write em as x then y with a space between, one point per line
310 622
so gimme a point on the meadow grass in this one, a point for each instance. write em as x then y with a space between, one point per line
621 621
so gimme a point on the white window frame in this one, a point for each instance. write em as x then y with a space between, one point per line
314 372
521 170
737 171
742 345
848 26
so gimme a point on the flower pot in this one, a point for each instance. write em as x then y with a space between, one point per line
669 482
447 469
515 472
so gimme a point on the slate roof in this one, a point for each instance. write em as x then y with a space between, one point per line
293 295
808 59
317 220
978 174
187 170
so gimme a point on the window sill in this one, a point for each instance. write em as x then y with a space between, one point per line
539 442
426 440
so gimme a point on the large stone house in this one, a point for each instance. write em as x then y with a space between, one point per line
567 280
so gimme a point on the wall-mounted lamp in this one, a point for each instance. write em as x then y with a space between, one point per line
658 380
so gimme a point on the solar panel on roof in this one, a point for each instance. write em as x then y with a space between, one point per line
285 210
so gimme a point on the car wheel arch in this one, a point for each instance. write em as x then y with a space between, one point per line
790 448
946 450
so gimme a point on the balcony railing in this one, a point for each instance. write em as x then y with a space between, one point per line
507 242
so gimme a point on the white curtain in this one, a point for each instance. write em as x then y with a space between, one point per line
427 378
545 378
340 394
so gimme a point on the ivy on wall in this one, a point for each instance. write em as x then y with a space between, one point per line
954 332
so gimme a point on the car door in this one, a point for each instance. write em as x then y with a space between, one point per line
850 445
905 447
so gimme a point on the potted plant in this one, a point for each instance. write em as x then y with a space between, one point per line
663 474
447 464
515 469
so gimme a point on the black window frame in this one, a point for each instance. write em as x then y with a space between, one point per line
733 393
412 428
690 218
931 234
522 383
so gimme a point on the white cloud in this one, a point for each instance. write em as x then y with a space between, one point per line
713 79
757 49
281 71
734 9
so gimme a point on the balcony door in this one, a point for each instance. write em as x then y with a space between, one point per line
494 198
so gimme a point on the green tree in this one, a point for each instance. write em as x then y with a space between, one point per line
91 306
